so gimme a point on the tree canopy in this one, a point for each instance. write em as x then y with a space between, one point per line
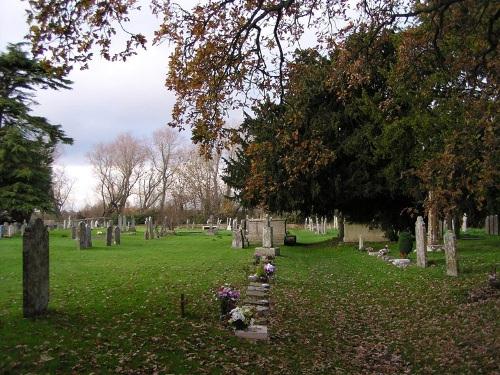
371 148
27 142
232 53
403 75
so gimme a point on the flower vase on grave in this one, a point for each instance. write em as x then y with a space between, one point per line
226 305
240 324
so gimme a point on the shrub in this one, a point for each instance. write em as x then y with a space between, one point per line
405 243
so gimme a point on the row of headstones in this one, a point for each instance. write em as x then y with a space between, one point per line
450 248
122 223
319 227
155 231
11 229
491 225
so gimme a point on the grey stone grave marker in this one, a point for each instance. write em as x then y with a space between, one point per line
450 249
420 236
35 269
109 236
117 235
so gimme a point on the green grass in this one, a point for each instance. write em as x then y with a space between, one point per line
334 310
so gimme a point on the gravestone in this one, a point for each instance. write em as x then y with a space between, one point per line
10 230
450 249
35 269
109 236
146 231
267 248
420 242
495 225
151 228
1 231
88 237
361 244
82 235
117 235
23 227
73 232
464 223
238 239
132 224
65 224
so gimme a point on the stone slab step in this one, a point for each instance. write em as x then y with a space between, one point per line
260 285
260 311
256 302
257 288
255 332
257 293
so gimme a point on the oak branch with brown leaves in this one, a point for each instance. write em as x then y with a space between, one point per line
228 54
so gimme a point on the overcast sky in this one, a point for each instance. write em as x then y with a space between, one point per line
107 99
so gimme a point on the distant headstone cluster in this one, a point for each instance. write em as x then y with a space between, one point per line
319 225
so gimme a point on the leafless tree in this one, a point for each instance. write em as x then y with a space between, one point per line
118 166
201 181
62 185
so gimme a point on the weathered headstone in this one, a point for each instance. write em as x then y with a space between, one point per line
450 249
117 235
151 228
23 227
1 231
146 231
464 223
88 237
361 244
420 242
238 239
35 269
132 224
495 225
82 235
267 248
73 232
10 230
109 236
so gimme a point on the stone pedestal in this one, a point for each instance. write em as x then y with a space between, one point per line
35 269
267 251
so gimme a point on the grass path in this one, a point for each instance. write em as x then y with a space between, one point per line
335 310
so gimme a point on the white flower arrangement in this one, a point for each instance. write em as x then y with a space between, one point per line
241 316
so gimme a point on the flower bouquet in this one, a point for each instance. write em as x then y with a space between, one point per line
261 274
227 296
241 317
269 269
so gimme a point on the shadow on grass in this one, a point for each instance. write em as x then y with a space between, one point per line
315 245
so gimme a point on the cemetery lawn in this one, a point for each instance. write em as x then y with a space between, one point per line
335 310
